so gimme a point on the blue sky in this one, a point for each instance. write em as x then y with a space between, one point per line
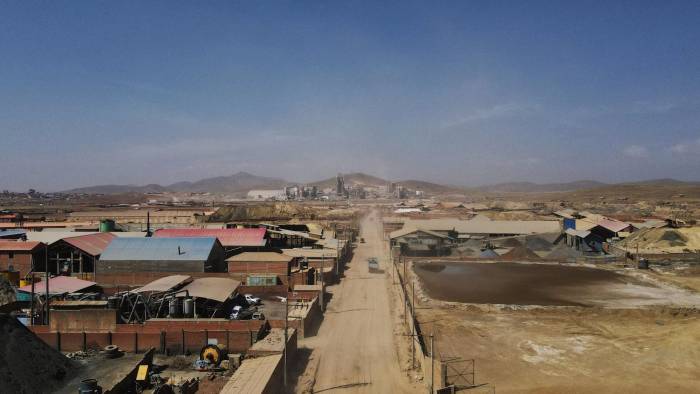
458 92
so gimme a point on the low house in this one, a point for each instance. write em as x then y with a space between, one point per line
247 263
162 255
420 242
21 256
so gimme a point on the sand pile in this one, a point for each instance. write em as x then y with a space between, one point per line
664 240
27 364
520 253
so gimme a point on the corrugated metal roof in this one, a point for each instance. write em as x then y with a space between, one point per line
18 246
218 289
612 224
486 226
311 253
260 256
92 244
577 233
410 230
171 249
163 284
229 237
49 237
58 285
12 233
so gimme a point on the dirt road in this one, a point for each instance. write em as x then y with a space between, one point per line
355 350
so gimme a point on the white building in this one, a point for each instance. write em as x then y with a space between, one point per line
279 195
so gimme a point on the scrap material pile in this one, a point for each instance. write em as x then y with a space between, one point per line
664 240
27 364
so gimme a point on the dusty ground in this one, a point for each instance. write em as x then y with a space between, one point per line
522 349
356 349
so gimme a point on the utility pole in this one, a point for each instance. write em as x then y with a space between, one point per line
31 316
323 266
286 327
413 326
46 265
432 363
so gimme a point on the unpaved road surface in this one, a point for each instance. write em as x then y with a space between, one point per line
355 349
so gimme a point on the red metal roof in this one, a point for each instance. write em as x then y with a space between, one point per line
59 285
612 224
229 237
92 244
19 246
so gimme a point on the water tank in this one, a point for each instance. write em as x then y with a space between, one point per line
107 225
173 309
188 307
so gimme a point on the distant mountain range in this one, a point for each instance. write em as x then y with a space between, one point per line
242 182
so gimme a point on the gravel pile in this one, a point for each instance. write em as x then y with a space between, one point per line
27 364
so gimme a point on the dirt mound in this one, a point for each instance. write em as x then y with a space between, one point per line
27 364
508 243
563 252
7 293
664 240
538 243
674 238
520 253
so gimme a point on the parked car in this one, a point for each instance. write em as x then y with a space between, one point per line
252 300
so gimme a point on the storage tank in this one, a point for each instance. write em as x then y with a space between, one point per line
107 225
173 310
188 307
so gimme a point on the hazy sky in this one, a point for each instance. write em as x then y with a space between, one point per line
465 92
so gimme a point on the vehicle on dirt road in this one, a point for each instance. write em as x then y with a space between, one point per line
373 263
362 240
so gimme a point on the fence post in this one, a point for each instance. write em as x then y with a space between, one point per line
109 337
136 342
84 342
206 337
58 340
183 341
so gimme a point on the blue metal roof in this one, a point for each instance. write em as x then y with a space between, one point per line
163 249
12 233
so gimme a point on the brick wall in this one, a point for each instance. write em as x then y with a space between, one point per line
174 336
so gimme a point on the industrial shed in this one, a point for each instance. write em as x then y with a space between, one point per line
78 254
420 242
163 255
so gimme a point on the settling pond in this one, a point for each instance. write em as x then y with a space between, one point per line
529 284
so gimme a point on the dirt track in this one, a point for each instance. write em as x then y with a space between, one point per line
355 350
